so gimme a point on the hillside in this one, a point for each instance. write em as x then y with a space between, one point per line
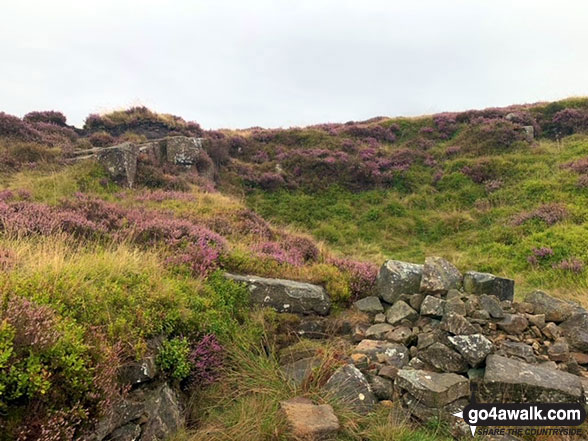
96 275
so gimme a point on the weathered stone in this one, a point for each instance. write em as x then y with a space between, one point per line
416 300
378 331
350 386
481 314
396 278
120 162
491 305
507 379
389 372
369 305
360 361
401 334
524 308
309 421
457 325
455 305
552 331
575 329
472 304
298 371
559 350
138 372
380 318
384 352
439 276
129 432
485 283
555 310
286 295
186 151
428 414
312 327
519 350
580 357
536 320
433 389
400 311
433 306
358 333
382 387
443 358
513 324
453 293
474 348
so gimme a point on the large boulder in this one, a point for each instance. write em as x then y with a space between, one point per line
350 386
474 348
396 278
433 389
120 161
298 371
485 283
555 310
508 380
369 305
286 295
439 276
443 358
575 329
308 421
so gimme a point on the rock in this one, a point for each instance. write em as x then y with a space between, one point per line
309 421
298 371
358 333
286 295
579 357
507 379
312 327
491 305
378 331
575 329
519 350
485 283
443 358
165 415
138 372
388 372
129 432
559 350
456 306
433 414
360 361
453 293
552 331
383 352
457 325
120 161
396 278
380 318
350 386
474 348
536 320
416 300
524 308
382 387
298 351
513 324
369 305
182 150
481 314
433 389
439 276
400 311
433 306
472 304
401 334
555 310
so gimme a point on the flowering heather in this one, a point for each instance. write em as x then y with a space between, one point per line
164 195
573 265
479 171
445 124
548 213
579 165
427 131
582 181
207 361
271 181
538 254
49 117
275 251
101 139
568 121
34 325
363 275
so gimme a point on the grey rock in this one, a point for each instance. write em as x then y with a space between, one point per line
120 162
474 348
552 331
433 389
481 314
455 305
443 358
575 329
491 305
401 334
439 276
433 306
536 320
513 324
388 372
400 311
378 331
508 380
433 414
519 350
453 293
286 295
559 350
369 305
298 371
396 278
485 283
382 387
166 415
350 386
138 372
129 432
416 300
457 325
380 318
555 310
384 352
426 339
309 421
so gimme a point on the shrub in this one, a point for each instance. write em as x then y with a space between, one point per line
446 124
538 254
362 276
49 116
101 139
206 360
480 171
568 121
173 358
573 265
548 213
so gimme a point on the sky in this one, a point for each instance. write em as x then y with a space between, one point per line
282 63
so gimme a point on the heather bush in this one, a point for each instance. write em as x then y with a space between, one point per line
485 135
573 265
49 116
446 124
568 121
362 276
539 255
206 359
548 213
101 139
480 171
15 128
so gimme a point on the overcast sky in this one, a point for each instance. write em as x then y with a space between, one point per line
281 63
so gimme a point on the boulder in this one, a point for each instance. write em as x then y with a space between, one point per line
559 350
508 380
369 305
474 348
378 351
378 331
455 305
433 389
416 300
491 305
457 324
383 388
120 162
286 295
138 372
400 311
396 278
401 334
308 421
443 358
513 324
433 307
552 331
433 414
485 283
439 276
298 371
555 310
519 350
575 329
350 386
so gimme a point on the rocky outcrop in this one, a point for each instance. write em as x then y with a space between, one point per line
286 295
